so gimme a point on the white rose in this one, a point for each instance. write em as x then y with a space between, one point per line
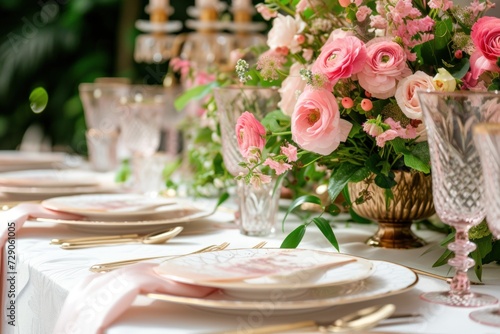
289 88
283 32
406 93
444 81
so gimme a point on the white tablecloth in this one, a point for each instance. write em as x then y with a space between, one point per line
46 274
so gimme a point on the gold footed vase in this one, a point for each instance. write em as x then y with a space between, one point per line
412 201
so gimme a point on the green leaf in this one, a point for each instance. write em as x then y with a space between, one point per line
276 121
222 198
373 163
495 85
443 259
294 238
417 164
478 266
357 218
399 146
194 93
340 177
384 181
299 201
332 209
325 228
124 172
38 100
442 34
360 175
460 69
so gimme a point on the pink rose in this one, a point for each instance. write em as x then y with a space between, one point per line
385 137
290 89
341 58
316 122
486 38
250 134
386 65
283 32
406 93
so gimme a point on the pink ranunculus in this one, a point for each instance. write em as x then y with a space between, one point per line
385 66
316 122
340 58
250 134
283 32
406 93
290 89
290 152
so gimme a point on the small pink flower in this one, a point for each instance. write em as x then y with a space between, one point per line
250 134
300 38
344 3
266 12
307 54
441 4
290 152
406 133
362 13
278 166
372 128
385 66
283 31
258 179
385 137
316 122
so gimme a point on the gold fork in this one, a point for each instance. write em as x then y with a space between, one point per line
108 266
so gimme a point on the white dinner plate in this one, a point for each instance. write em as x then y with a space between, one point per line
387 279
242 271
49 178
20 160
114 206
179 213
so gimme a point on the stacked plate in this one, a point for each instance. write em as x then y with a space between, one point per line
19 160
283 280
123 212
44 183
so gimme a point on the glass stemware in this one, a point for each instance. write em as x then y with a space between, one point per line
487 140
141 116
257 207
457 180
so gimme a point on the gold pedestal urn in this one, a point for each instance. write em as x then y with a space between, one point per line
412 200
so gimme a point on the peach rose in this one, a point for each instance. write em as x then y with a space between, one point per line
250 134
290 89
316 122
340 58
406 93
385 66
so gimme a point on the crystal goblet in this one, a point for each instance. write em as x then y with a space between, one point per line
457 180
487 140
141 116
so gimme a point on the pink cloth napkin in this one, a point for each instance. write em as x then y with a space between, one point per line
101 298
11 222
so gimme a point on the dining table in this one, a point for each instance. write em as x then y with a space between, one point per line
45 274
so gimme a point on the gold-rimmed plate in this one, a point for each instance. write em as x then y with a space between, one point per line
387 279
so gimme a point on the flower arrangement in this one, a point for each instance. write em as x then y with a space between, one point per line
348 72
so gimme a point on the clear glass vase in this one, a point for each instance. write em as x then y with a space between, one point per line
258 207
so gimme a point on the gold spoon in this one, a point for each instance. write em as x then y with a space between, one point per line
151 238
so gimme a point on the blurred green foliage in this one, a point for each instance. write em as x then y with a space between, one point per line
58 44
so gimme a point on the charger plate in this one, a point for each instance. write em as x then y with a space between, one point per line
386 280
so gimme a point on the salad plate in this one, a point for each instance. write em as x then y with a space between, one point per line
21 160
387 279
49 178
241 271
